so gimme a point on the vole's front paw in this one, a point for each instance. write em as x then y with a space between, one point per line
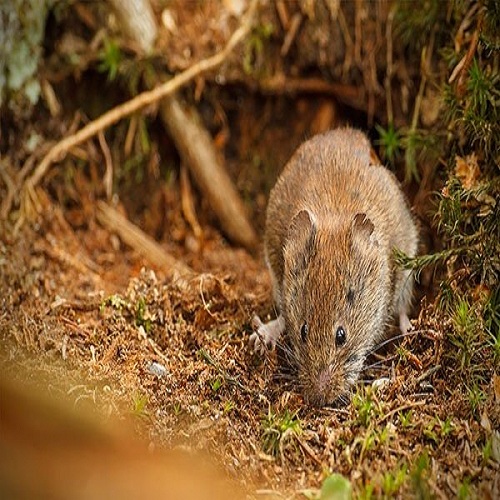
259 338
266 335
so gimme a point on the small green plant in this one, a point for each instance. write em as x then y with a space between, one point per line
110 59
430 432
336 487
419 477
464 318
487 450
446 427
177 409
464 491
254 47
466 336
402 353
278 429
438 429
369 442
483 95
384 435
228 406
389 142
216 383
366 491
476 397
141 315
364 405
418 263
393 480
406 419
114 301
139 403
372 439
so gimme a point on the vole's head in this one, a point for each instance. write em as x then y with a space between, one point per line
335 296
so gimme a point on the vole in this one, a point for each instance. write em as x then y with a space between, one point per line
333 221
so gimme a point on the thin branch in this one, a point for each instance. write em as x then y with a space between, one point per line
196 149
141 242
108 176
11 191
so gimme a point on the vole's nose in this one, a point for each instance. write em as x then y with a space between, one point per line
320 390
324 380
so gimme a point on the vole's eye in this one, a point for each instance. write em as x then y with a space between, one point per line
340 336
304 330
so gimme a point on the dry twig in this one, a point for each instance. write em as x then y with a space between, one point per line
141 242
283 84
197 150
108 176
11 191
292 33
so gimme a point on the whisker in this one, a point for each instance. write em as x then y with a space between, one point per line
343 399
285 348
378 363
389 340
288 352
288 361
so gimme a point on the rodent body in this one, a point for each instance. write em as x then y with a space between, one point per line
333 221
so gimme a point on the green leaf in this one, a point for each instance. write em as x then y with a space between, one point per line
336 487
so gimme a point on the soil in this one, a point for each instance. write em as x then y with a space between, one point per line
96 324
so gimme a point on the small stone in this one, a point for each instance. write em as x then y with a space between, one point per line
157 369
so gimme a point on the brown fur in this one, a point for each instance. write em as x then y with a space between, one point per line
333 220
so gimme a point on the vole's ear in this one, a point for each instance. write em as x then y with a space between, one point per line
363 227
299 239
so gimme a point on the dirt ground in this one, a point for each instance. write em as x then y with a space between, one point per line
94 323
105 328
